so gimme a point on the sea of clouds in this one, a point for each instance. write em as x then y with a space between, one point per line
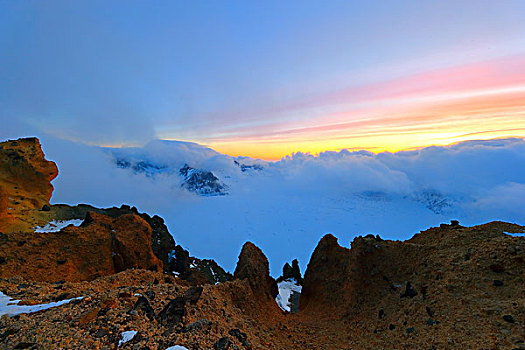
290 204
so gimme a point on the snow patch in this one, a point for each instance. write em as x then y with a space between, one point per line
10 307
286 288
57 225
127 336
177 347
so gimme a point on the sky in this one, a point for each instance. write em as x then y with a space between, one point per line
264 79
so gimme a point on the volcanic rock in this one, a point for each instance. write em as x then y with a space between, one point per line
291 272
144 306
497 283
199 325
194 270
350 284
326 276
409 291
366 313
222 344
100 246
193 294
241 337
173 313
25 187
253 266
162 241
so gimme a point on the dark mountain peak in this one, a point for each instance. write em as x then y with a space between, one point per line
202 182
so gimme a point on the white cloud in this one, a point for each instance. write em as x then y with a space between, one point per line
289 205
504 201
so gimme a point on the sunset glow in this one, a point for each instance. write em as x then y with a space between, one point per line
264 79
476 101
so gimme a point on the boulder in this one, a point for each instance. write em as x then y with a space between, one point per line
173 312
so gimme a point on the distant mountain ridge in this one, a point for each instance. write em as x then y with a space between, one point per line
173 158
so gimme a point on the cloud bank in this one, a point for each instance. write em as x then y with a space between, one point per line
288 205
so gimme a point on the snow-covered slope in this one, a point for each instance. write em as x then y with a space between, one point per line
194 164
287 289
286 206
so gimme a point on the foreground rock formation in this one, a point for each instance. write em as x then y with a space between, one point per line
100 246
253 267
25 184
174 258
449 287
440 290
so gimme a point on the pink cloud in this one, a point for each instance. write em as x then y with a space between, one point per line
426 99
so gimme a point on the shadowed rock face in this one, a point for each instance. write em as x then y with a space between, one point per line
194 270
253 266
100 246
324 279
339 279
25 186
162 241
175 259
291 272
448 267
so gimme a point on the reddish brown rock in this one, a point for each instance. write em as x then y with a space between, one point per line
325 276
25 186
365 298
253 266
426 290
162 241
100 246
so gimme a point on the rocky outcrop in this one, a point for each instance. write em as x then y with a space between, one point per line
441 281
253 267
25 186
100 246
291 272
194 270
175 259
326 277
448 287
162 241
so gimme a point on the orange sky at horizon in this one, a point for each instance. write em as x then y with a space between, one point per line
483 100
